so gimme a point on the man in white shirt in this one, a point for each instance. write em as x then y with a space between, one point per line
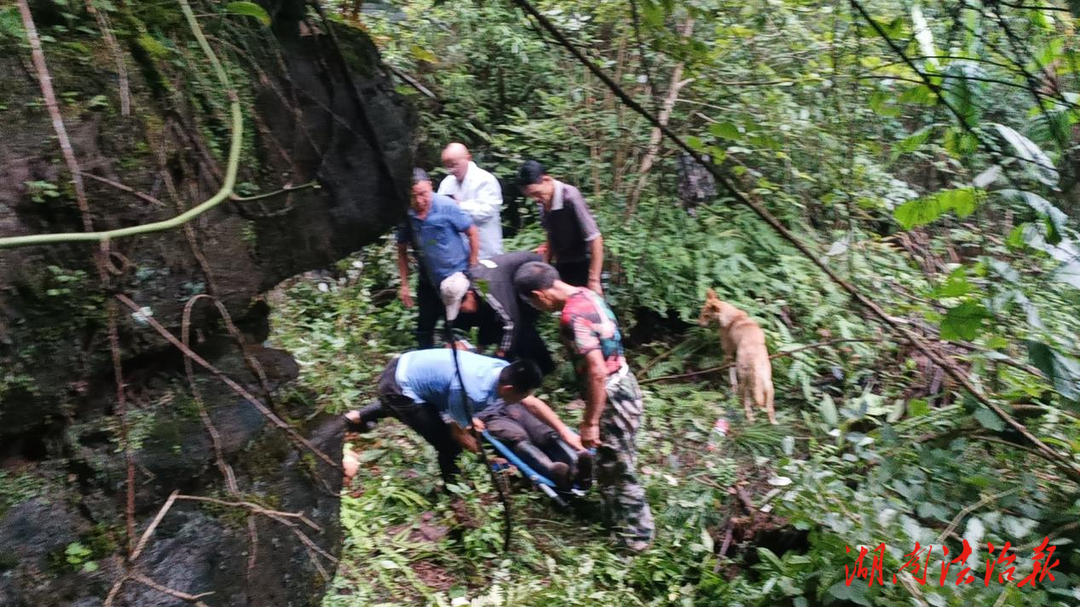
478 193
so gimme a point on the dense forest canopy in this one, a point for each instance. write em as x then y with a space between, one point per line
890 189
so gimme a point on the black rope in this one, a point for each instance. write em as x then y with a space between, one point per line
449 330
507 515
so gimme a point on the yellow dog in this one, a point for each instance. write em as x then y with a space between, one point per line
744 343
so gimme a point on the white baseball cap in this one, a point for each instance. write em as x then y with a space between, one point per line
452 290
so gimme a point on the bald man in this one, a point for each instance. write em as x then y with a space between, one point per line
477 192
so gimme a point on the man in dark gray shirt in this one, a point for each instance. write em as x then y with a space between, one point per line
574 244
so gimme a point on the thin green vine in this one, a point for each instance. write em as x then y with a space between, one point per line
158 226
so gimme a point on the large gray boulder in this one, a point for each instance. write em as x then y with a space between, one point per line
318 106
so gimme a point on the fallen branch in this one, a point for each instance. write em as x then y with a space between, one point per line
237 388
118 57
280 517
1056 458
149 583
413 82
255 508
820 344
153 525
124 188
101 257
972 508
49 95
284 190
251 362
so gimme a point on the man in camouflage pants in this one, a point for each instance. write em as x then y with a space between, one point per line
613 405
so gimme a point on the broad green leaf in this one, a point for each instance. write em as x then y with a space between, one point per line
918 94
922 211
1035 161
964 322
725 130
960 143
694 143
856 592
769 556
880 103
989 420
964 89
962 201
1056 219
1063 371
249 9
765 141
955 285
423 54
1016 238
828 411
912 142
918 212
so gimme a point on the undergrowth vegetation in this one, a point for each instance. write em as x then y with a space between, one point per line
935 174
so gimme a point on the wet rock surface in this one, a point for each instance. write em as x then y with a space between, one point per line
317 108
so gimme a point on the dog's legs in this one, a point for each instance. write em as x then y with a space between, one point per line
763 397
769 394
746 397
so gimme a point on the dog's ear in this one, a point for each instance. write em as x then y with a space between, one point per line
710 294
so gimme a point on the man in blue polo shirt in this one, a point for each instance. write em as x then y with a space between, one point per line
421 389
434 230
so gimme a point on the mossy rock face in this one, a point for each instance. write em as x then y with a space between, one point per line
313 111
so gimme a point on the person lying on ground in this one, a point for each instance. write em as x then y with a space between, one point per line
421 389
538 444
574 244
434 230
613 402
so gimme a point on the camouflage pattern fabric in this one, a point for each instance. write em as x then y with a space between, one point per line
621 494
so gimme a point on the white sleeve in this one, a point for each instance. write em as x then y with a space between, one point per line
487 202
445 185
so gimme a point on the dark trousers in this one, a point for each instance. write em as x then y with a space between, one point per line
423 418
574 272
429 309
516 426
